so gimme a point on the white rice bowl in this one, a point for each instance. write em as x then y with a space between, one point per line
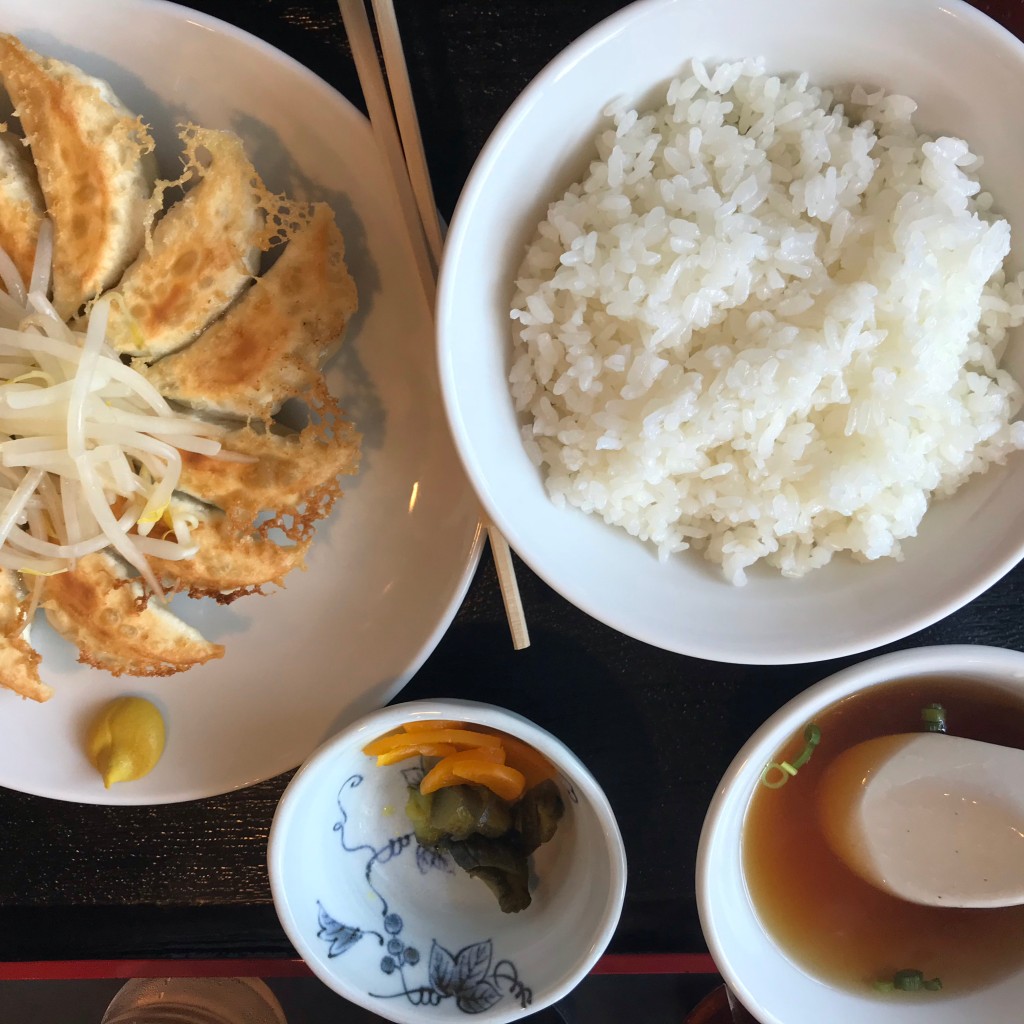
828 434
767 324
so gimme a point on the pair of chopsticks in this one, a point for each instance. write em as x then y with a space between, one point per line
397 131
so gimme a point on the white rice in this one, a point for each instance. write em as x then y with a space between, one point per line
767 325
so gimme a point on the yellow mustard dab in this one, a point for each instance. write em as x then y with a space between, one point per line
126 740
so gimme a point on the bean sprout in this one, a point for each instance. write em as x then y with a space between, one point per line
90 451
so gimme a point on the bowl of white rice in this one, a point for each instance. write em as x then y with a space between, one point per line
729 322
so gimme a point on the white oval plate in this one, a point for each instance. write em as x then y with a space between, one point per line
544 143
388 570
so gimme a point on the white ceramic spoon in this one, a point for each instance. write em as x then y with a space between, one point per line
930 818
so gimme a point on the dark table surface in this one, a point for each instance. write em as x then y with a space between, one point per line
190 879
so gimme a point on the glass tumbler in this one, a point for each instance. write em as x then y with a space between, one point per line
194 1001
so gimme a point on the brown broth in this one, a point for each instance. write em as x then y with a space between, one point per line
828 921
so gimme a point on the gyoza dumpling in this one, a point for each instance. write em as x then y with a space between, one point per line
19 663
89 152
229 563
21 205
270 345
115 627
293 474
202 253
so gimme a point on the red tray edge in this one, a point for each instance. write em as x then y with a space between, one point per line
280 967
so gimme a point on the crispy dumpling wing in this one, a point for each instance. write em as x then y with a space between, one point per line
89 151
270 345
230 562
21 205
107 616
202 253
294 475
19 663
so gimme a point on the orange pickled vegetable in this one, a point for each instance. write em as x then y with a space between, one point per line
505 765
428 724
534 765
508 783
458 738
399 731
414 750
442 775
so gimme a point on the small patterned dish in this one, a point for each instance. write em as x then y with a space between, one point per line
403 932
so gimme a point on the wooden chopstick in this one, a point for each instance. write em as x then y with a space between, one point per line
408 124
378 105
402 147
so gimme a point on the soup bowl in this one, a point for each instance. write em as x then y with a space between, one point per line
772 986
965 72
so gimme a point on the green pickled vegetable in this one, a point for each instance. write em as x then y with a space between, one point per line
417 807
536 816
487 837
499 864
457 812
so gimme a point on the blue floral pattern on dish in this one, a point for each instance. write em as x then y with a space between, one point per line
470 976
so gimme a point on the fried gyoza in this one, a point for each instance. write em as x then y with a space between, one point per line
202 252
230 562
89 151
218 337
269 346
21 205
19 663
294 475
107 616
